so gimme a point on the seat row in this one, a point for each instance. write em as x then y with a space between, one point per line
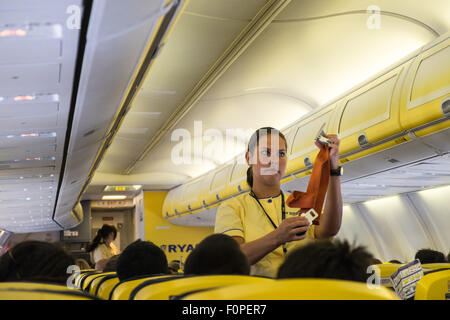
93 284
236 287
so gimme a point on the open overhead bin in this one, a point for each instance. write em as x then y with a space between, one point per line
122 40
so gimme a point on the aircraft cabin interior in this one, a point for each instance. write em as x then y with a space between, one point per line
138 114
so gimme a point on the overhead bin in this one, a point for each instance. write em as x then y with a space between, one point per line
166 208
191 199
427 89
113 53
218 187
238 179
370 114
119 50
303 151
171 200
381 123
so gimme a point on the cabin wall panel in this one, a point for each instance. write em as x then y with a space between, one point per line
356 231
433 206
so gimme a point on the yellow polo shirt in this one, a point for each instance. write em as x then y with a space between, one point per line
103 252
243 217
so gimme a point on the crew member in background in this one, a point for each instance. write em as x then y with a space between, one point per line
102 247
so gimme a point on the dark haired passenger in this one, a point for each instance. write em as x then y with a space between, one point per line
376 261
174 266
35 261
217 254
111 265
83 264
430 256
395 261
141 258
261 221
102 247
327 259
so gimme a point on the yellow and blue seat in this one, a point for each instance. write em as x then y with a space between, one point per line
297 289
40 291
93 284
122 290
169 288
105 286
434 286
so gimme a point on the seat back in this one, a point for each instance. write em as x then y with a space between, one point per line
93 285
39 291
123 289
434 286
86 280
80 275
80 280
297 289
169 288
105 286
386 270
435 266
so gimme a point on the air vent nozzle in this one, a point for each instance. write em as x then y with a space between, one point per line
362 141
307 162
445 107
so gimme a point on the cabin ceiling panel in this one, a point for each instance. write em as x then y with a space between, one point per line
436 14
37 64
24 79
196 42
316 61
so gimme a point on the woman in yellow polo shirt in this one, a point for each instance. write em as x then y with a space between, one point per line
260 221
102 247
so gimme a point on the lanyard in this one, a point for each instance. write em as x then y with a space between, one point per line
283 211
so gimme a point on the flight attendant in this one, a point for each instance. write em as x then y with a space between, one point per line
255 219
102 247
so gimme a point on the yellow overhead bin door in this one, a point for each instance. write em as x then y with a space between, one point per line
218 188
172 201
303 150
238 178
428 90
371 113
191 197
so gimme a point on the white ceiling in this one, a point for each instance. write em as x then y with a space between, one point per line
312 52
37 64
65 67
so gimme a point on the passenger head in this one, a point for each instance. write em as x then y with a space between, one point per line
217 254
83 264
430 256
376 261
174 266
111 265
266 156
141 258
395 261
106 234
35 261
326 259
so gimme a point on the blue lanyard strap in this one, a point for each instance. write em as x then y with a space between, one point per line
283 211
